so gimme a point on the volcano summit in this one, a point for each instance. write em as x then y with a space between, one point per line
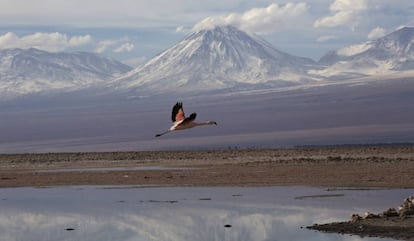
217 59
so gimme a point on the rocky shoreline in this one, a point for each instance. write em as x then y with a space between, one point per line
392 223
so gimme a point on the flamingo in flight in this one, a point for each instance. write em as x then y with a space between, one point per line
180 122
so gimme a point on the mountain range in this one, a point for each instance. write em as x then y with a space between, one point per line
389 54
223 59
27 71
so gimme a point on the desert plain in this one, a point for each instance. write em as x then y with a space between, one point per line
338 166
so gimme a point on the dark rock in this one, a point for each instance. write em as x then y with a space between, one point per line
391 212
407 208
355 218
371 216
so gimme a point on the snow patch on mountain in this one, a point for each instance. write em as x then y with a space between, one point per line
352 69
354 49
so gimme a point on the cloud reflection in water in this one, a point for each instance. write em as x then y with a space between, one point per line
177 214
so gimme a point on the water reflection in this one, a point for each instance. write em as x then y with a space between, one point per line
111 213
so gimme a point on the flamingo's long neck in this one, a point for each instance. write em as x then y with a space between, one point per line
204 123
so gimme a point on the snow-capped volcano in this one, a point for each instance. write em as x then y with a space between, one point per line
24 71
391 53
219 58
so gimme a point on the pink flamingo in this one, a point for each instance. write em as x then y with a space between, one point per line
180 122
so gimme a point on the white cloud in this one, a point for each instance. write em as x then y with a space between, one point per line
80 40
258 20
45 41
344 12
339 18
348 5
126 47
376 33
182 29
8 40
104 45
121 45
326 38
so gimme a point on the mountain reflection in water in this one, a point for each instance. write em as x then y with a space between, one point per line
208 213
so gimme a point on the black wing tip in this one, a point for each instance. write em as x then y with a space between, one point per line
175 109
190 118
178 105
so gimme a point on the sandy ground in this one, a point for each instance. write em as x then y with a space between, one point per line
362 166
369 166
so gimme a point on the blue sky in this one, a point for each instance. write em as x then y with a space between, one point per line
133 31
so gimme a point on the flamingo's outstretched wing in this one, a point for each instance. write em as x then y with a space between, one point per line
177 112
189 119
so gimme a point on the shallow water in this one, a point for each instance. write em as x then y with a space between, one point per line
179 213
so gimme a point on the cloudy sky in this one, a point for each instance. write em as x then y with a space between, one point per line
135 30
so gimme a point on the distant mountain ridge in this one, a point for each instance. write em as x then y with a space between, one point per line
219 58
223 59
25 71
391 53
